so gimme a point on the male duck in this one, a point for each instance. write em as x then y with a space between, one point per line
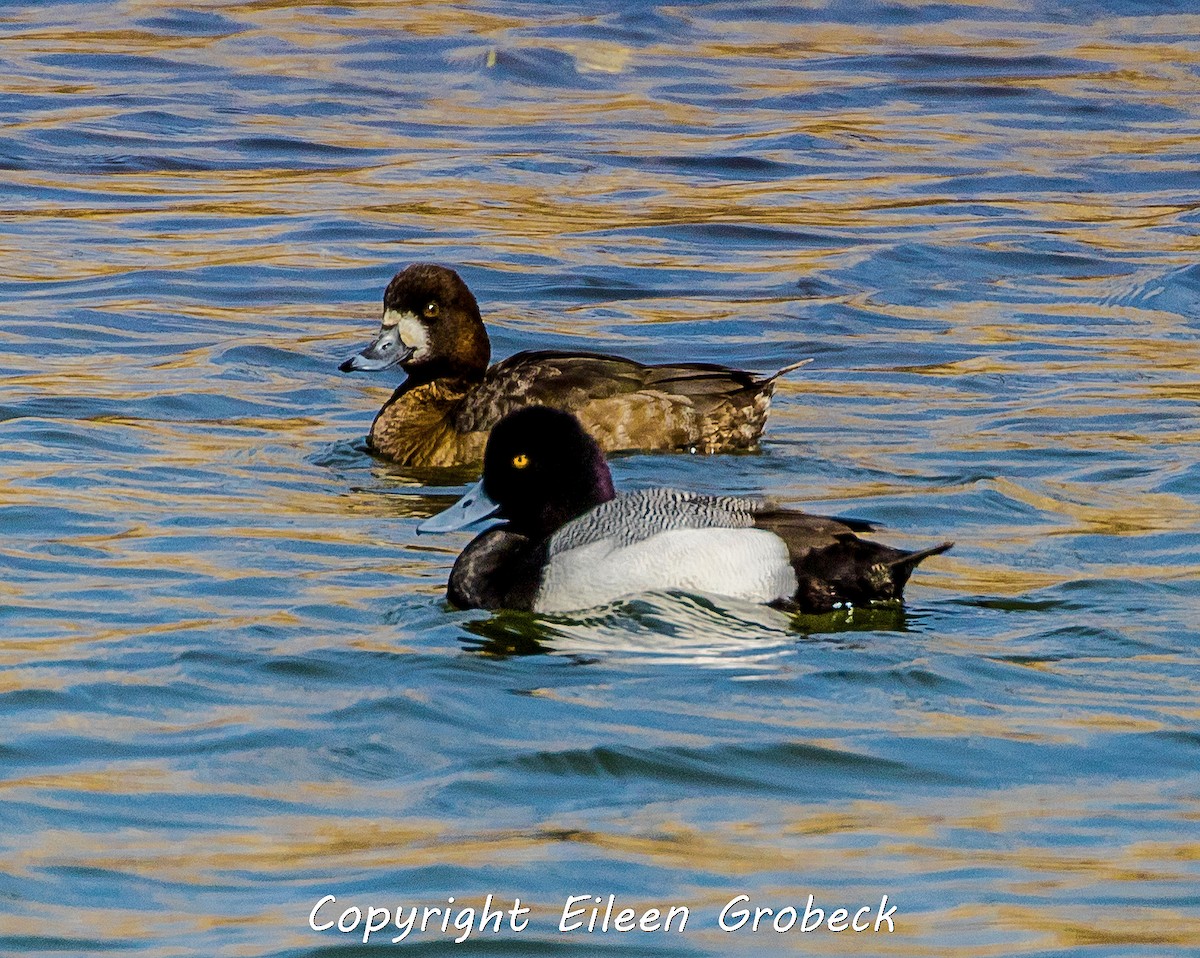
441 414
569 542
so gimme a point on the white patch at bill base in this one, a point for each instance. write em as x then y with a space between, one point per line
413 332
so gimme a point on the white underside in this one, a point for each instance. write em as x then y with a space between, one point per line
750 564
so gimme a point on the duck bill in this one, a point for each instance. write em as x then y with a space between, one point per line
385 351
473 507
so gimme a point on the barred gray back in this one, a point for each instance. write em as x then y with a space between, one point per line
639 515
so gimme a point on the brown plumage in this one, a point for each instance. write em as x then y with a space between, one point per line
441 414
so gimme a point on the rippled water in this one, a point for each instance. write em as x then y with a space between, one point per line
229 683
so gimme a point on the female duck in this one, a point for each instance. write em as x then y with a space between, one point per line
441 414
569 542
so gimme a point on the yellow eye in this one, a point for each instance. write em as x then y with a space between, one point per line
431 310
521 461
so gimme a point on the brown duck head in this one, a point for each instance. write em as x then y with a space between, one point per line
431 328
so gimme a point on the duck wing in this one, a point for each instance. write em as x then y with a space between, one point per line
628 405
636 516
832 565
662 539
571 381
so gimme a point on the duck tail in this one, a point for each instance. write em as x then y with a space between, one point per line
788 369
902 566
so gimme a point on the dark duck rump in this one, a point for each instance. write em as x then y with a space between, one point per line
569 542
442 413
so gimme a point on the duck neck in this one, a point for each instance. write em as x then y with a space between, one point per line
467 361
579 493
438 370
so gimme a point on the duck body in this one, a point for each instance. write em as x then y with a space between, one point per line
442 413
569 542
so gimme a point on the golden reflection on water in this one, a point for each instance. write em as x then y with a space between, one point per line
892 843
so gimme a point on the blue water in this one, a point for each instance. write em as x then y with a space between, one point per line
229 683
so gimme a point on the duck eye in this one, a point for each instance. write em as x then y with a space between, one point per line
520 461
431 309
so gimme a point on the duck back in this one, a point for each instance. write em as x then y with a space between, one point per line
626 405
